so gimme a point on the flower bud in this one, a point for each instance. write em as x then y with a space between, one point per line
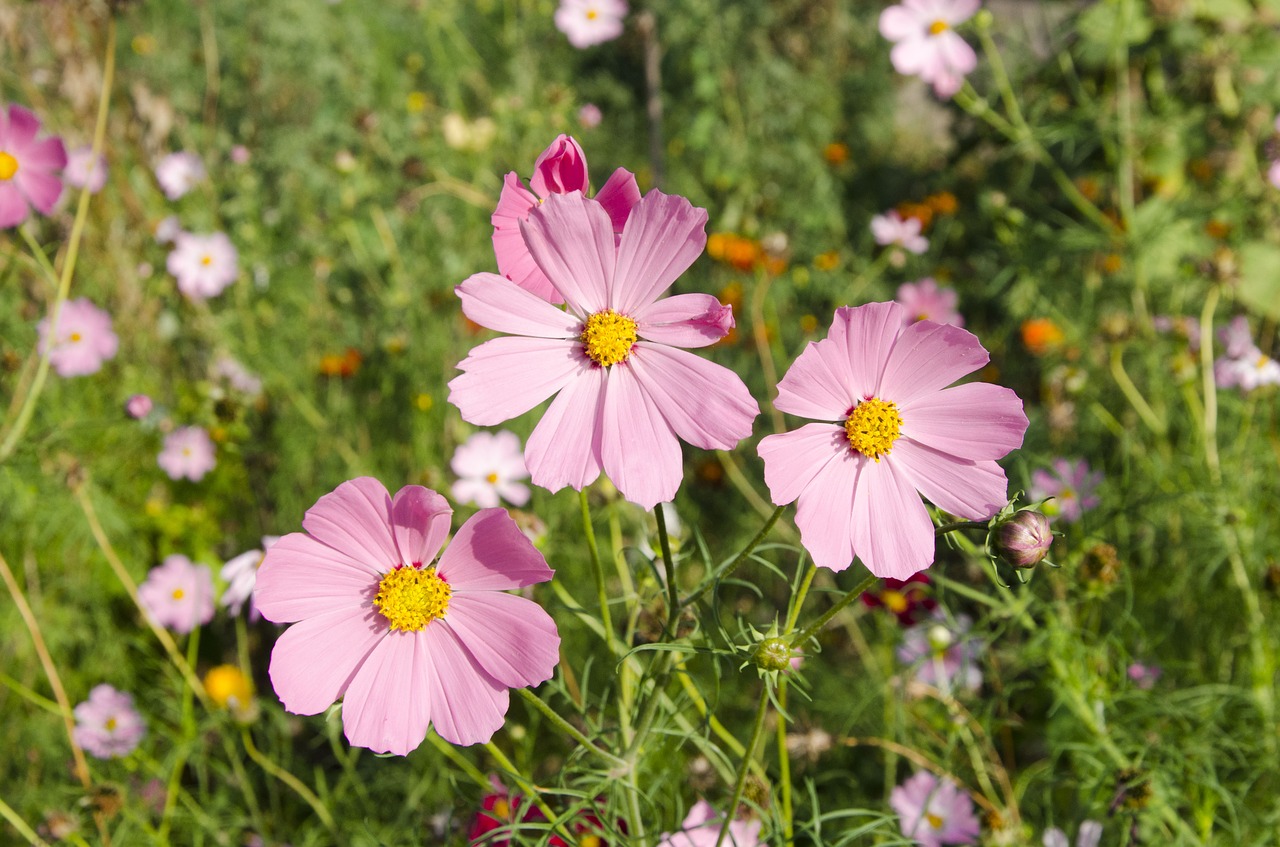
774 654
1024 540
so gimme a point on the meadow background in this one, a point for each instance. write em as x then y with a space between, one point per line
1107 169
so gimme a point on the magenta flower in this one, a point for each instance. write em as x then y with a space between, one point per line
561 169
893 229
943 654
701 828
178 594
188 453
895 430
934 812
1143 676
588 22
107 724
1071 485
590 116
406 643
241 575
84 170
27 167
490 467
925 43
83 341
626 395
178 173
924 300
203 264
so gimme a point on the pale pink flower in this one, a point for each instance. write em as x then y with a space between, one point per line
1071 485
240 154
935 812
1089 834
83 341
1244 366
188 453
107 724
924 300
588 22
942 653
168 230
560 169
27 167
701 828
178 594
626 395
1143 676
203 264
490 467
925 43
590 116
178 173
236 376
241 575
1236 337
406 641
138 406
1273 174
84 170
895 432
893 229
1182 325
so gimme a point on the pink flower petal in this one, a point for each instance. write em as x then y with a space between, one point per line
892 533
42 189
300 578
959 11
911 56
976 420
619 195
898 23
387 706
956 53
512 638
314 661
793 459
685 320
928 357
640 453
47 154
508 376
819 383
824 511
867 334
356 518
501 305
514 260
967 489
706 404
564 448
22 129
467 705
559 169
490 553
663 237
13 206
571 239
420 521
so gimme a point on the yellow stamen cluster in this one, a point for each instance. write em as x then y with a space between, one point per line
178 594
492 479
411 598
935 821
8 165
873 427
592 14
937 27
206 260
607 337
895 601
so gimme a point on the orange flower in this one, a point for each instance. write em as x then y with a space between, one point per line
920 211
341 364
734 250
827 261
1112 263
1217 229
942 203
1041 335
836 153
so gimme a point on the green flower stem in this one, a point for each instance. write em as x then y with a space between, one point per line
42 261
757 730
462 762
299 788
797 599
602 594
24 829
816 626
738 560
673 590
760 337
570 730
1210 386
1133 395
528 788
784 764
19 426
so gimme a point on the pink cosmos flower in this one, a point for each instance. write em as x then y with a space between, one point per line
406 643
590 116
178 173
489 467
1071 485
240 154
84 170
241 575
236 376
1089 835
1243 366
138 406
925 45
588 22
168 230
1182 325
701 828
1273 174
107 724
178 594
934 812
924 300
188 453
83 341
892 228
895 430
943 654
203 264
626 395
27 167
561 169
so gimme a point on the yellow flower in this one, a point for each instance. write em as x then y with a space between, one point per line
230 688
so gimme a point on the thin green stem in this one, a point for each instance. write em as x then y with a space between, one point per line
757 730
673 590
24 829
797 600
40 258
784 764
463 764
299 788
1132 394
737 560
816 627
530 790
1210 386
570 730
602 594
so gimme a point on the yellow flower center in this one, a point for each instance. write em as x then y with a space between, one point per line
228 686
502 809
492 479
873 427
935 821
590 841
938 27
411 598
206 260
607 337
74 337
111 724
178 594
592 14
8 165
895 601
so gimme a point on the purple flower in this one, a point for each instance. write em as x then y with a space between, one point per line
83 340
925 43
178 173
1071 485
925 301
27 167
107 724
178 594
892 228
203 264
934 812
588 22
188 453
943 654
